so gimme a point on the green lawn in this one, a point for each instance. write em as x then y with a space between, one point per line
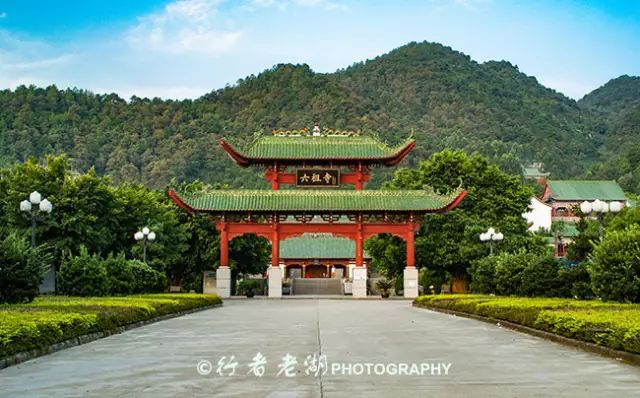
612 325
49 320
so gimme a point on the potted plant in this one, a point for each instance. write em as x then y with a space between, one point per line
384 286
249 287
286 286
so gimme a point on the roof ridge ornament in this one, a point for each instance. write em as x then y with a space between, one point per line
316 131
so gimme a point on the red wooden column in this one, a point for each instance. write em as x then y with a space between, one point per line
359 242
275 242
275 182
359 182
224 245
411 258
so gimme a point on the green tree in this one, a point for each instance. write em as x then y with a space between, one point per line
582 244
509 272
615 266
388 254
120 277
136 207
483 275
202 241
82 275
83 205
249 254
627 217
21 269
448 243
540 278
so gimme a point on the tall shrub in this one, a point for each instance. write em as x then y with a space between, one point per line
21 269
147 280
483 275
120 276
540 278
509 269
82 275
615 266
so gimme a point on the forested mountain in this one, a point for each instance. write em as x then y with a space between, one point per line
614 99
442 96
618 102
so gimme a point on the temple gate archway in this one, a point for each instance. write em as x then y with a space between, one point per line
312 160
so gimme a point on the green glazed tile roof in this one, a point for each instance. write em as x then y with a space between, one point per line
570 230
534 172
322 147
316 246
586 190
303 200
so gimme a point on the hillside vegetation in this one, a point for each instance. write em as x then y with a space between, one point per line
618 103
440 95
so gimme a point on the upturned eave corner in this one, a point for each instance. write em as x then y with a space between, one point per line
175 197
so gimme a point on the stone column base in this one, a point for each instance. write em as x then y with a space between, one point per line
275 282
411 282
209 282
223 282
359 282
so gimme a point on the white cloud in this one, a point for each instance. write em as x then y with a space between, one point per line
283 4
39 63
185 27
471 3
27 61
329 5
151 91
263 3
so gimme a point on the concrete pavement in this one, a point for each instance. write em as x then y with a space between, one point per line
163 359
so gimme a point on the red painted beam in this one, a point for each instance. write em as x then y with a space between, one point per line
288 230
290 178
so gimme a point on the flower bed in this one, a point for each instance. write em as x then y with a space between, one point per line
50 320
612 325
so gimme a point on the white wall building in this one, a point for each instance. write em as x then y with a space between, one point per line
538 216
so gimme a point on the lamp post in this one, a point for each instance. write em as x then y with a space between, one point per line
600 209
491 236
32 207
145 236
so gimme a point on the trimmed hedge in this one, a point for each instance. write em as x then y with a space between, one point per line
50 320
612 325
89 275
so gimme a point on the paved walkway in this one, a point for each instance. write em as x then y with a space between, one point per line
159 360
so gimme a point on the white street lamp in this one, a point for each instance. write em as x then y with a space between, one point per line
492 237
46 206
35 197
586 207
615 206
25 206
31 207
600 208
145 236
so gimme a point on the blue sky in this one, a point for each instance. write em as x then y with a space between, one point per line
186 48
